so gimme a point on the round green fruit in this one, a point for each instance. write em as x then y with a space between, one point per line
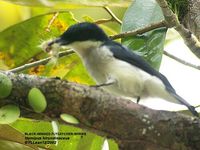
5 86
9 114
69 118
37 100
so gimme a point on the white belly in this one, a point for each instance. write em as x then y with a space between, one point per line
129 82
132 82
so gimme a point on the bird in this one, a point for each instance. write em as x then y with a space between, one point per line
114 67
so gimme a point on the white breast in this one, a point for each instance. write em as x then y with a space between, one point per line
102 66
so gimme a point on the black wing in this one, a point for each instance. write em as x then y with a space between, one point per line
127 55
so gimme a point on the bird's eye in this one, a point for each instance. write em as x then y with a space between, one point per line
48 48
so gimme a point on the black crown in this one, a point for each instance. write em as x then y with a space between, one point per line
83 32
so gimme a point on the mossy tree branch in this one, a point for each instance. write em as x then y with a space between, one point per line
132 126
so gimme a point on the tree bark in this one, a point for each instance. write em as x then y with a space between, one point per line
132 126
192 18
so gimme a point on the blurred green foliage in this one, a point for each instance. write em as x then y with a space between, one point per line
85 140
71 3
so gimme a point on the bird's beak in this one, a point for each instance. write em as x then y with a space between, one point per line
58 42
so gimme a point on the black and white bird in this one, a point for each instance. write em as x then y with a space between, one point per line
109 63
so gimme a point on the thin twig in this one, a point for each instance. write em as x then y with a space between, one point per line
51 21
172 21
197 106
39 62
114 17
182 61
140 31
100 21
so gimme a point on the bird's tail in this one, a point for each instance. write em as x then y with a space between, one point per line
184 102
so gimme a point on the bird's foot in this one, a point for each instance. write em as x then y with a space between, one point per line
108 83
138 99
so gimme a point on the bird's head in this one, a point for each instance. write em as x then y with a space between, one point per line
80 32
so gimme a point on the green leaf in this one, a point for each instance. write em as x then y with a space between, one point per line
8 133
86 141
68 68
9 114
149 45
9 145
70 4
30 127
90 142
21 42
112 145
78 138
